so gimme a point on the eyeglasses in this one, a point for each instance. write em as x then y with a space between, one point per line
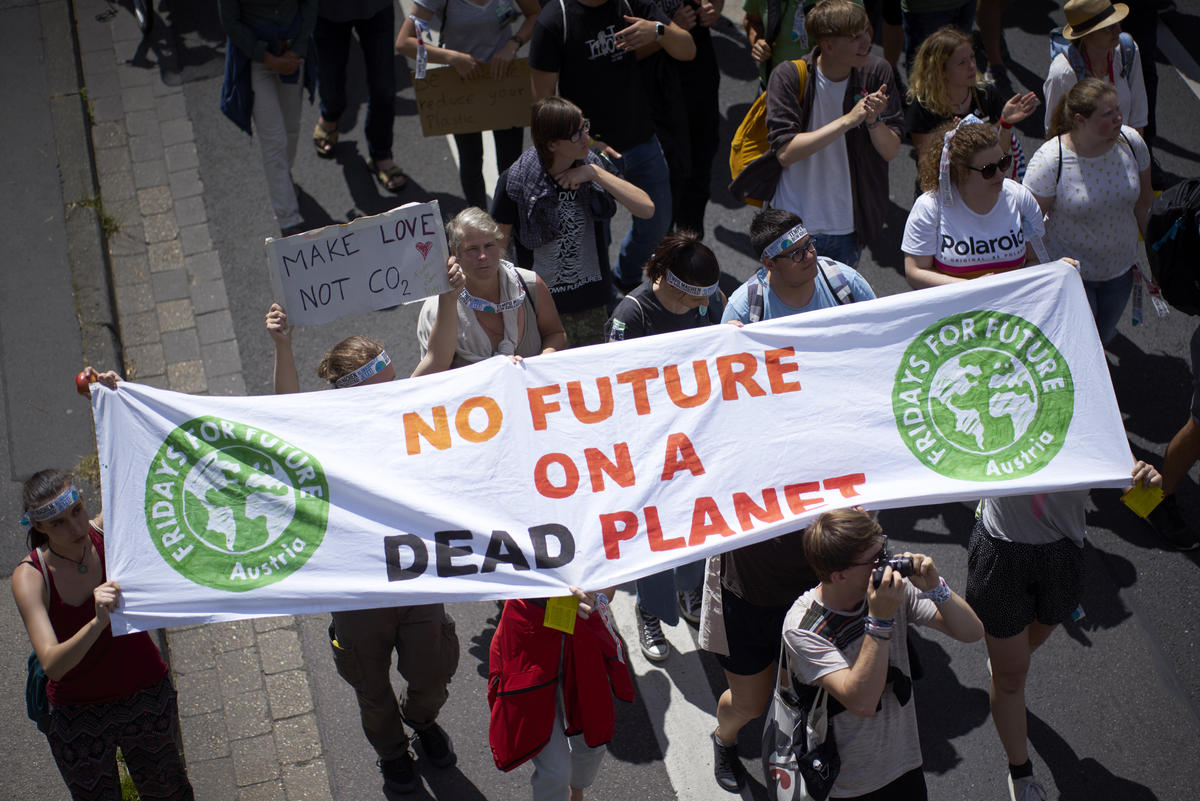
584 128
801 253
988 170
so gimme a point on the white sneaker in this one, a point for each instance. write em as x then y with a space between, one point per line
1025 789
689 606
650 636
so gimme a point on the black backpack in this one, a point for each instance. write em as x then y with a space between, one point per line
1173 244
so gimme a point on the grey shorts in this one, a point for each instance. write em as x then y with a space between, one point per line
1011 584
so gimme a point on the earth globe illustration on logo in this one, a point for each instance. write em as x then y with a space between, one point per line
238 500
983 396
234 507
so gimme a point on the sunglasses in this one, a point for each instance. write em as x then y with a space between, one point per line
988 170
800 254
879 558
584 128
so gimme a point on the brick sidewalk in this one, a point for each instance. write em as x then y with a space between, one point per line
246 707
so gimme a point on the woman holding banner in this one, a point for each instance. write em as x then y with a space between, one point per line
422 637
971 221
478 42
680 293
501 309
104 692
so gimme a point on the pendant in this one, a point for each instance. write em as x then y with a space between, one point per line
82 568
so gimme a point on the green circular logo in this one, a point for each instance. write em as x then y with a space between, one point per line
983 396
234 507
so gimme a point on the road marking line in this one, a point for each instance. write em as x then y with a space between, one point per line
490 176
685 715
1179 58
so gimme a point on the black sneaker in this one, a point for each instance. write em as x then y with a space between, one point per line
690 606
399 775
436 745
727 768
1167 520
650 636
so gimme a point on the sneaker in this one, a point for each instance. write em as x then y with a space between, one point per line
1025 788
399 775
727 768
689 605
650 636
1167 520
436 746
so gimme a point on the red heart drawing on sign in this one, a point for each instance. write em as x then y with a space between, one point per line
424 248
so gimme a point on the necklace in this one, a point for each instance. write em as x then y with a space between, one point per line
964 102
79 564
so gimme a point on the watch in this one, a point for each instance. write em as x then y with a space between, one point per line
659 30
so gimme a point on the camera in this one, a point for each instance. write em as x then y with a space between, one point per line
901 564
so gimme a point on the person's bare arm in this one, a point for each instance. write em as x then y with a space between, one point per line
287 380
443 336
550 327
631 197
921 273
543 83
1141 207
58 658
641 32
464 64
806 143
756 35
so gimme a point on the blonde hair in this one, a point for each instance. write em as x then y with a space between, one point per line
967 141
471 219
347 356
835 18
927 81
1083 99
835 539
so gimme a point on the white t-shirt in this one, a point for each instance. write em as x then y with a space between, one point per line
817 187
1131 91
967 244
1092 217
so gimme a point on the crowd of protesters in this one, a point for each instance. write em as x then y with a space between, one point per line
625 116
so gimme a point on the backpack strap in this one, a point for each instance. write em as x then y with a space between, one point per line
754 297
1058 174
562 6
525 287
835 279
1128 49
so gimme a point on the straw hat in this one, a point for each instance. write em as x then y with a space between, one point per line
1089 16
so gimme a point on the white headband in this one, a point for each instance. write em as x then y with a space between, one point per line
947 197
368 370
784 242
64 501
691 289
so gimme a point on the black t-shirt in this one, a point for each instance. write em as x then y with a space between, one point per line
593 73
641 314
987 106
769 573
574 265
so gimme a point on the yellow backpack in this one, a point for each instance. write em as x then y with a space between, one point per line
750 139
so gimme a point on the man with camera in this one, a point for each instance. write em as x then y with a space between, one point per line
848 635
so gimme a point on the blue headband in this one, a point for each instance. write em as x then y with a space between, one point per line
65 500
368 370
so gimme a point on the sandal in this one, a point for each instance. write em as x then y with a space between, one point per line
324 141
392 179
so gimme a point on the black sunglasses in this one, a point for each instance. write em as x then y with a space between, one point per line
988 170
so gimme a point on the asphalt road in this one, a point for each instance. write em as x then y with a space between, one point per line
1114 699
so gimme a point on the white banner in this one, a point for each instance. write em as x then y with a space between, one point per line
367 264
603 464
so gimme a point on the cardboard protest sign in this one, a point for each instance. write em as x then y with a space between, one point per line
371 263
449 103
595 466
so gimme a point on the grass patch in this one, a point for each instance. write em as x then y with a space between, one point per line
109 224
88 470
128 791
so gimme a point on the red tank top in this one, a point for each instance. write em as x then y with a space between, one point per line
114 667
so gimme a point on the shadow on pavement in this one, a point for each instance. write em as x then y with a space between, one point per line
1080 779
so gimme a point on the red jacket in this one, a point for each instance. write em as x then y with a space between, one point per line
526 661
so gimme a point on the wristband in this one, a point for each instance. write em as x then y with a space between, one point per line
939 594
516 37
1005 124
880 629
870 126
601 601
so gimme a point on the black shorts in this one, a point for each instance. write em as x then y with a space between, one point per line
1011 584
754 633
